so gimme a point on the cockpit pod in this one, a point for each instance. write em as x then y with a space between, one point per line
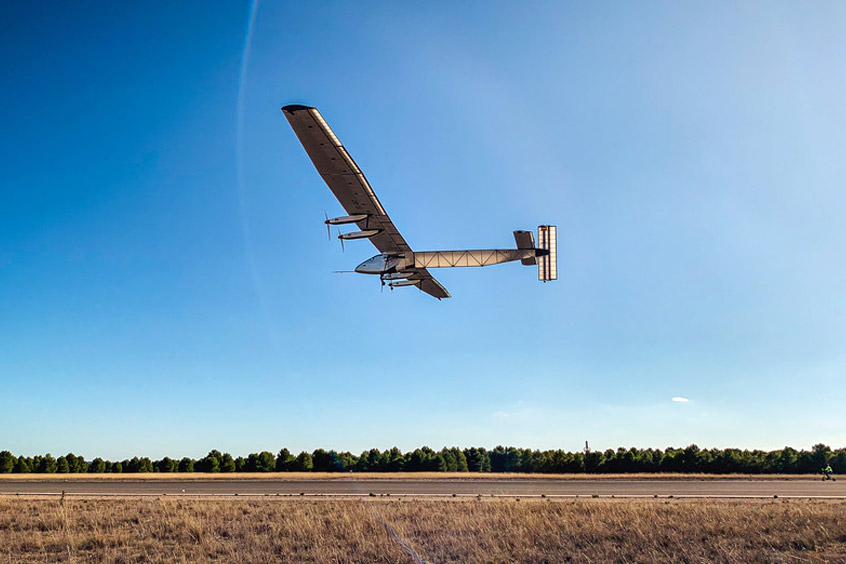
380 264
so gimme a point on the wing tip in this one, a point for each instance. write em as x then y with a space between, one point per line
291 108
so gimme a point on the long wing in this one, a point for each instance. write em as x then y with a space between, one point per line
342 175
347 182
427 282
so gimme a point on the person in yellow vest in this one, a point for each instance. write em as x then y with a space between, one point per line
827 472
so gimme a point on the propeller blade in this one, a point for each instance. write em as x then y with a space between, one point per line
328 227
341 239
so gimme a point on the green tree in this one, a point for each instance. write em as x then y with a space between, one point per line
303 463
504 459
214 453
838 461
652 459
347 460
210 463
266 462
536 461
326 461
284 460
47 464
363 462
252 464
497 458
133 466
186 465
437 463
76 464
690 459
165 465
448 457
561 462
116 468
415 461
62 466
22 466
72 463
821 455
478 459
376 460
7 462
592 461
227 464
393 460
460 459
97 466
261 462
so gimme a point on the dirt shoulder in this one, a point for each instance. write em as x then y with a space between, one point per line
375 476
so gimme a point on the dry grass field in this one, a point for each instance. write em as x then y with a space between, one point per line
150 530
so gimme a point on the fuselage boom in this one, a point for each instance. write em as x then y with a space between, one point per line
389 264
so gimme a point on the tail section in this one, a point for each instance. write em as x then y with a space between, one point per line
548 261
526 241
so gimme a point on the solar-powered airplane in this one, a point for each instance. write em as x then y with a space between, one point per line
397 263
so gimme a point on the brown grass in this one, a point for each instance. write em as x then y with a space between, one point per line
402 530
308 476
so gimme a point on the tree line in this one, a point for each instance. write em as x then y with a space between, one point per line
690 459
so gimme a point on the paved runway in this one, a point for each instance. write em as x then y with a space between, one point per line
519 487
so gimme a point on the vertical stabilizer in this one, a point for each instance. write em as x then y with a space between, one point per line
548 262
526 241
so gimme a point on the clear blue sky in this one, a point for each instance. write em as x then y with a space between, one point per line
166 284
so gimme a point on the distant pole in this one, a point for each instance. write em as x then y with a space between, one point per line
587 448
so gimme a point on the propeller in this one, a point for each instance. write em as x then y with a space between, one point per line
341 239
328 227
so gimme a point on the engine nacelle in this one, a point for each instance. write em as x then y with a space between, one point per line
396 276
402 283
366 234
345 219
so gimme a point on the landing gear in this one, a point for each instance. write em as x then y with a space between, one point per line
382 280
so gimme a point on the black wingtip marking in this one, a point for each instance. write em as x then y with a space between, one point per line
291 108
